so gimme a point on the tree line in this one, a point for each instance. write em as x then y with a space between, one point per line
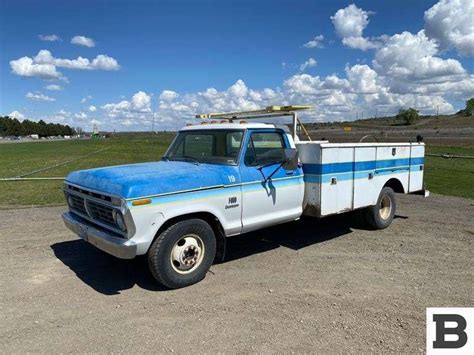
13 127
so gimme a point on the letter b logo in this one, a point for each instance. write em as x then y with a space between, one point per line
449 331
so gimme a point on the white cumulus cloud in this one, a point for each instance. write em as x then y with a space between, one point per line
83 41
44 65
92 108
316 42
311 62
451 24
49 38
25 66
412 58
54 87
349 24
168 95
39 97
16 114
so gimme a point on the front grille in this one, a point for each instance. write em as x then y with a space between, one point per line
93 207
77 203
101 212
90 193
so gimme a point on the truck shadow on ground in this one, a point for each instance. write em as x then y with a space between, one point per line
109 275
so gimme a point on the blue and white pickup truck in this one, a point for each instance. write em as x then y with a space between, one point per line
224 179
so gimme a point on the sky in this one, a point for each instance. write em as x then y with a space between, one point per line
117 64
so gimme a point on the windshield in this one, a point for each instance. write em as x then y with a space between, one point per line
206 146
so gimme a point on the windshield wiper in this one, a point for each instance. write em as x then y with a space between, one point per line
184 157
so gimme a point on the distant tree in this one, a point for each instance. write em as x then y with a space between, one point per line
469 110
409 116
13 127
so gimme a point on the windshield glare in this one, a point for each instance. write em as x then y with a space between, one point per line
207 146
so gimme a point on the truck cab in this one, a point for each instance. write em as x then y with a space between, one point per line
221 180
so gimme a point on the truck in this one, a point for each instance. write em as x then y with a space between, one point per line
228 177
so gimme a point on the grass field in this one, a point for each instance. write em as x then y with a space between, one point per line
444 176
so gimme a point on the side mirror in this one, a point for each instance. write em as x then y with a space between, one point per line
290 159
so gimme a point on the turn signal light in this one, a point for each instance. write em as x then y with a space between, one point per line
146 201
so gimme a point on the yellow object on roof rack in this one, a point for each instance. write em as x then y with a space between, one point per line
269 111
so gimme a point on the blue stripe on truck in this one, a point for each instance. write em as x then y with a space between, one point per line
335 168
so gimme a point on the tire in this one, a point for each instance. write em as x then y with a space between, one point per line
182 254
381 215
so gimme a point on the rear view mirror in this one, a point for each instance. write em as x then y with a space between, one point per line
290 159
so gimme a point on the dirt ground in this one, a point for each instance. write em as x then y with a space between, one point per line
307 286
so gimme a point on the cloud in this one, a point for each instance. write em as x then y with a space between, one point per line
83 41
168 95
363 79
54 87
408 59
451 24
39 97
85 99
49 38
25 66
311 62
18 115
101 62
92 108
316 42
136 107
349 24
80 115
44 65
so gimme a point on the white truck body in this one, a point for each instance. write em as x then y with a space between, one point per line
341 177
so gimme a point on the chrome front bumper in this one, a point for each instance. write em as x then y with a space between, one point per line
103 240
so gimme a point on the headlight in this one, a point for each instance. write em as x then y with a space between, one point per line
118 218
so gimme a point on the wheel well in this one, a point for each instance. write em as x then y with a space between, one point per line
212 220
395 185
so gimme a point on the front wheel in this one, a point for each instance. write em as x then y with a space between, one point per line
381 215
183 253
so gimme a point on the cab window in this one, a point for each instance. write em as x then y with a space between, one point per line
264 148
206 146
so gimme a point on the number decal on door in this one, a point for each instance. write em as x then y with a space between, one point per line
231 178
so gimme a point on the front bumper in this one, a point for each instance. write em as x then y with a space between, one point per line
103 240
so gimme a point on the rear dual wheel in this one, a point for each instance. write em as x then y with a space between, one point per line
183 253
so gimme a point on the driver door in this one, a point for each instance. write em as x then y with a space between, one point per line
277 200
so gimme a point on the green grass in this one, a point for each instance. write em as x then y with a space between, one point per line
444 176
454 177
21 158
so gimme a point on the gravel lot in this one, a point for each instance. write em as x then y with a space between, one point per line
306 286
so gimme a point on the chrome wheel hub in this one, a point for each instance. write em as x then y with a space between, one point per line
385 208
187 253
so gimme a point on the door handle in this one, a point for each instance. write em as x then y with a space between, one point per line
290 172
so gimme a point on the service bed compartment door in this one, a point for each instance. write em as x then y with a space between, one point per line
337 179
365 190
417 167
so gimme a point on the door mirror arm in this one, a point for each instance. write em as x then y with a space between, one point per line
290 162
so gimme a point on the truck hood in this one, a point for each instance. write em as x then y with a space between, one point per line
147 179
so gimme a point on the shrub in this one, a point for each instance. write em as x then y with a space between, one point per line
409 116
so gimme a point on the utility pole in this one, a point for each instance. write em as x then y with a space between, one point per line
154 110
376 112
437 111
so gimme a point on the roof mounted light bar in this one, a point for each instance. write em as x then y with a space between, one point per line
269 111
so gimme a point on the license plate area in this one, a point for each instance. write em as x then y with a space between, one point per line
83 232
